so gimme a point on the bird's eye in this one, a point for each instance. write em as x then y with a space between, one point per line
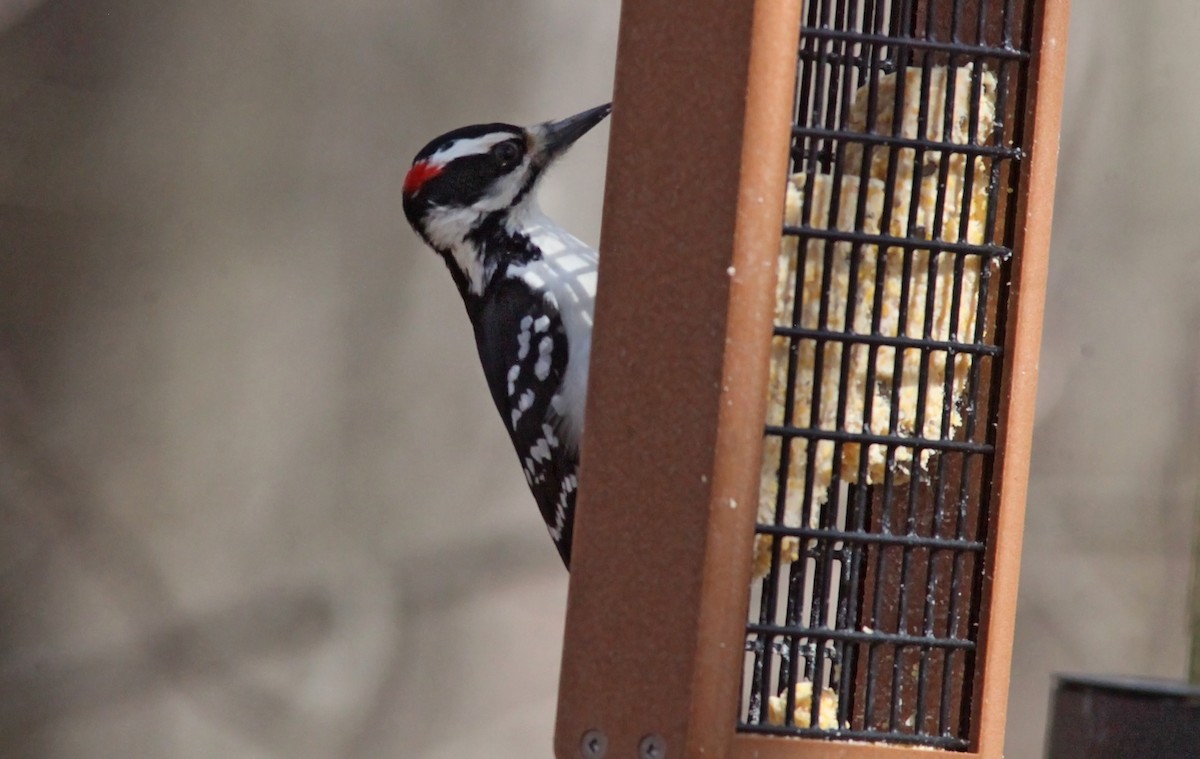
507 153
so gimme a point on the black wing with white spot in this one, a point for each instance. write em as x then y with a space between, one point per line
523 349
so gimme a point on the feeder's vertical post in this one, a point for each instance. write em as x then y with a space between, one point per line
1194 603
693 210
1015 433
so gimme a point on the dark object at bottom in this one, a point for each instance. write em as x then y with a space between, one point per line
1124 718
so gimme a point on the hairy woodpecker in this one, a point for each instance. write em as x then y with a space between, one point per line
528 286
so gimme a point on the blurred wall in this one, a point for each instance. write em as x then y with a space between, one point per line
253 499
1115 479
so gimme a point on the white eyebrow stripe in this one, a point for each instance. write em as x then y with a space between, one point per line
468 146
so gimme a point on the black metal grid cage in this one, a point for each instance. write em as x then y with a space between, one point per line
888 351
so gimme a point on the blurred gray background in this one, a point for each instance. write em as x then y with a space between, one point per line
253 498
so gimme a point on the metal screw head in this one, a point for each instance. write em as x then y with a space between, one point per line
652 747
593 745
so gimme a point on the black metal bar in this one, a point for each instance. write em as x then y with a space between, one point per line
898 679
874 636
957 599
933 741
808 98
950 346
975 52
801 579
851 599
826 570
908 243
929 562
918 443
969 148
916 541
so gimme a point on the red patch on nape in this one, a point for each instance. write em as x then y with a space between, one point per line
418 175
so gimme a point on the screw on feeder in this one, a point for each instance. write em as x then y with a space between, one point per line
652 747
593 745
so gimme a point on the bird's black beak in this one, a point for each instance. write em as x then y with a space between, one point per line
556 136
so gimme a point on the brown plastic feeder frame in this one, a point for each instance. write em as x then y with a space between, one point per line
701 129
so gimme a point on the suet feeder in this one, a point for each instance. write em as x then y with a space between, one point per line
823 266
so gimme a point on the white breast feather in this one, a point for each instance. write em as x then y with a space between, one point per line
567 274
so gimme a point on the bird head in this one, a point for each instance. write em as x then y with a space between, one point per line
480 177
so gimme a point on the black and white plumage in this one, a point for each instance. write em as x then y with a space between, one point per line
528 287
